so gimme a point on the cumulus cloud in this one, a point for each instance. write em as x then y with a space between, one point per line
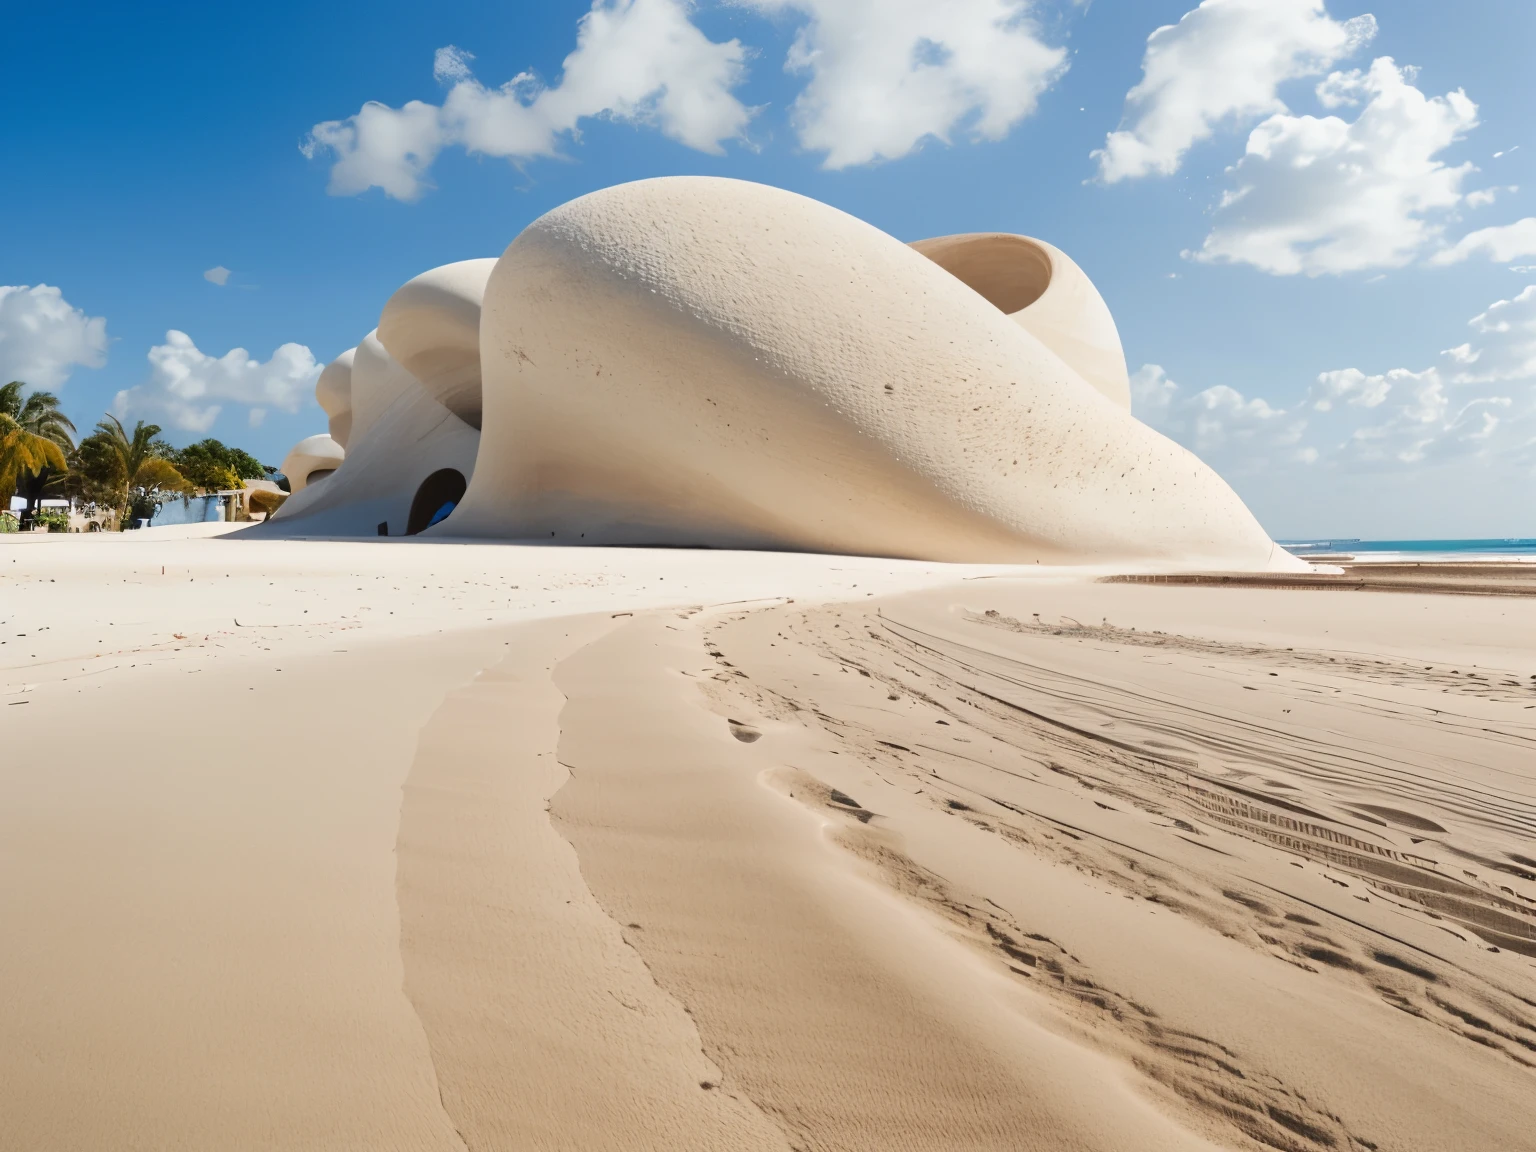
187 387
1503 242
640 61
1423 418
1486 196
380 147
1220 424
883 75
1320 195
1506 346
1223 62
218 274
1347 386
43 337
1476 402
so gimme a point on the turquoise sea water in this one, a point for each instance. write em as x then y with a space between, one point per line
1417 549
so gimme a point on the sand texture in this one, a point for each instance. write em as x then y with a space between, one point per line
697 361
411 845
701 362
1041 289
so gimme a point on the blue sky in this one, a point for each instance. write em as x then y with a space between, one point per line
1315 225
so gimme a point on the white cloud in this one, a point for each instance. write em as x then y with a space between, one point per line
1152 395
1422 420
218 274
1486 196
1232 431
1223 62
1349 386
1503 242
1224 416
186 385
43 337
1477 403
886 74
640 61
450 65
1325 195
1507 344
380 147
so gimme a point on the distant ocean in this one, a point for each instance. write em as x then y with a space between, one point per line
1413 549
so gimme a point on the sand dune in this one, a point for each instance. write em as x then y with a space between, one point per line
414 845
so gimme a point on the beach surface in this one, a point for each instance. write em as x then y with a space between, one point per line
409 845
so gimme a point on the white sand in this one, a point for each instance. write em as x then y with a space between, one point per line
413 845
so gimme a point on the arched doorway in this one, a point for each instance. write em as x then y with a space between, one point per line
436 499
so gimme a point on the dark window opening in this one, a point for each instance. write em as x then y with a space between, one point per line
436 499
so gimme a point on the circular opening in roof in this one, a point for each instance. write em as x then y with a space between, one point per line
1012 272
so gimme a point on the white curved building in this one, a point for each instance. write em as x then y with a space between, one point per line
431 327
312 459
705 362
401 437
1039 288
333 392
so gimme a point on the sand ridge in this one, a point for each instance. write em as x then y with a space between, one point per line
1353 847
205 743
546 1028
917 874
842 1015
347 845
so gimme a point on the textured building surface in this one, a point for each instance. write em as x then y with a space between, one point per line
694 361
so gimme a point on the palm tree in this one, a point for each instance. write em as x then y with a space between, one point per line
146 472
133 450
21 453
37 415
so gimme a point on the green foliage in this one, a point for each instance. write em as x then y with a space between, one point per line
38 413
157 475
23 453
124 470
54 519
142 505
206 473
214 466
155 480
8 522
95 473
112 467
34 438
132 449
